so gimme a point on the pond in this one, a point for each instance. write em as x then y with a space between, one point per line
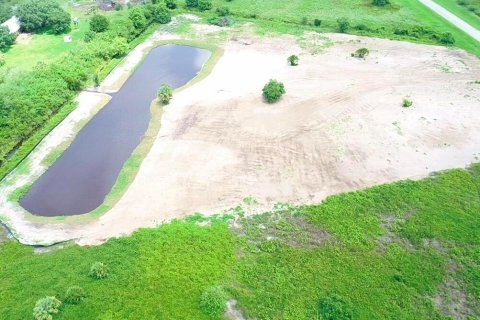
84 174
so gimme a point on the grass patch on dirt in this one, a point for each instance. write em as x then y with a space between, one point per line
390 251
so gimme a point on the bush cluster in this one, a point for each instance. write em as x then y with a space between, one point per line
202 5
6 38
41 15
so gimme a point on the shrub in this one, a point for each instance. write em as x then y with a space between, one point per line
191 3
161 14
221 22
204 5
447 38
45 308
361 53
118 7
171 4
223 11
98 23
380 3
343 25
293 60
317 22
75 295
2 61
98 270
165 93
137 16
334 307
6 38
406 103
89 36
38 15
273 91
213 301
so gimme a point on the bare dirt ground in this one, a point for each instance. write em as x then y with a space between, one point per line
340 127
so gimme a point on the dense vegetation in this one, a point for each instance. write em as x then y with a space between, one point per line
408 250
28 99
43 15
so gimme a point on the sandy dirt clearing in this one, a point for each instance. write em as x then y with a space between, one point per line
340 127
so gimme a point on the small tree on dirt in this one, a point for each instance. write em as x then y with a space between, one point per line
98 270
406 103
204 5
213 301
334 307
273 91
46 307
165 93
75 295
380 3
293 60
98 23
343 25
361 53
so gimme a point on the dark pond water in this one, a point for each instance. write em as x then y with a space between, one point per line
80 179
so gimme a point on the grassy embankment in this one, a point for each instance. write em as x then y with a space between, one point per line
462 11
389 251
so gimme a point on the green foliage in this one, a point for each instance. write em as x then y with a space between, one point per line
161 14
46 307
6 38
2 60
334 307
98 270
293 60
171 4
213 301
343 25
191 3
361 53
99 23
75 295
165 93
40 15
317 22
5 11
137 16
406 103
273 91
223 11
221 22
447 38
380 3
204 5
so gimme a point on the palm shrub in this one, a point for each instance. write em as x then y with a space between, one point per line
165 93
406 103
75 295
213 301
98 270
273 91
46 307
293 60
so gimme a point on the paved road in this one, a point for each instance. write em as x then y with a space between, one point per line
459 23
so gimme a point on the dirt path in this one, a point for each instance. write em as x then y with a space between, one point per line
453 19
340 127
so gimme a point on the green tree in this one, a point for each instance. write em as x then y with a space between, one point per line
343 25
58 21
273 91
6 38
213 301
165 93
161 14
99 23
171 4
138 19
39 15
46 307
293 60
204 5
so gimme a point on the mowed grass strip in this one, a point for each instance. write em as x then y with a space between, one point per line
407 250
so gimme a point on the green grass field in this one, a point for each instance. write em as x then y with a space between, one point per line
380 22
389 251
462 11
